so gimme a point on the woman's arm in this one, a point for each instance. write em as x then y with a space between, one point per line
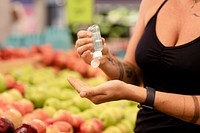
127 69
184 107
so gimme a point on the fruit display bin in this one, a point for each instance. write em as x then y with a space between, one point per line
35 96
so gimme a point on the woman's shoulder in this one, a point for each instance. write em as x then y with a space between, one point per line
149 7
148 4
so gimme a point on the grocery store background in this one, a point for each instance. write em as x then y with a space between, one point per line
28 22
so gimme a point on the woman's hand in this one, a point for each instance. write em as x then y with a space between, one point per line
84 46
108 91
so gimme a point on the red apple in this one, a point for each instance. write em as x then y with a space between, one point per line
41 114
52 129
1 111
92 125
60 59
25 128
38 124
10 81
18 106
6 126
77 121
28 105
71 63
14 116
47 58
3 105
63 115
19 86
49 121
34 49
28 117
45 48
63 126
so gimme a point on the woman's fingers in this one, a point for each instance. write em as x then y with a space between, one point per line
84 48
83 34
77 84
82 88
87 56
82 41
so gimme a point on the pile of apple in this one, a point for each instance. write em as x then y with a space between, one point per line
48 56
40 100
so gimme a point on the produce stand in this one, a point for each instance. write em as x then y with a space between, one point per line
8 65
45 97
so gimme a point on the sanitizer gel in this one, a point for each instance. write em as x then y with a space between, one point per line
98 46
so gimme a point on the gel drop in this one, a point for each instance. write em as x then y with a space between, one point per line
98 46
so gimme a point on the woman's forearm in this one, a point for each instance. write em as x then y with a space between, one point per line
183 107
115 68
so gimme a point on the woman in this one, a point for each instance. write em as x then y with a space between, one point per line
163 55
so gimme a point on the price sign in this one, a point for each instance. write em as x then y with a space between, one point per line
79 11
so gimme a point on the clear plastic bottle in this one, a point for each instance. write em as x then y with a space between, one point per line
98 46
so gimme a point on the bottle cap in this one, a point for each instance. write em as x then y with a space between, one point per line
97 54
95 63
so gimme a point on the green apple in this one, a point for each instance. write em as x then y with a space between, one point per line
66 73
112 129
52 102
74 109
16 95
52 92
123 128
25 78
128 124
3 84
65 104
133 111
93 112
38 99
108 118
111 116
50 110
6 98
82 103
85 115
67 94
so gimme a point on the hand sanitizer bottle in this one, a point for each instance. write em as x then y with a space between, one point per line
98 46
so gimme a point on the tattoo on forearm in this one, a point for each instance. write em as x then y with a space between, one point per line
121 70
124 69
114 62
111 60
130 72
196 110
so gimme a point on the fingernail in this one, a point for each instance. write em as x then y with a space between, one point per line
89 33
82 94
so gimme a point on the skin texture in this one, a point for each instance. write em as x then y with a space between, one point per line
176 25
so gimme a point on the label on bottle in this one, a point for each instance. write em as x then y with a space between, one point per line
97 41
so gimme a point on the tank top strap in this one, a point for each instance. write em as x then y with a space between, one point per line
160 7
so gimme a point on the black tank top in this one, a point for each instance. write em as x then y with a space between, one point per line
167 69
